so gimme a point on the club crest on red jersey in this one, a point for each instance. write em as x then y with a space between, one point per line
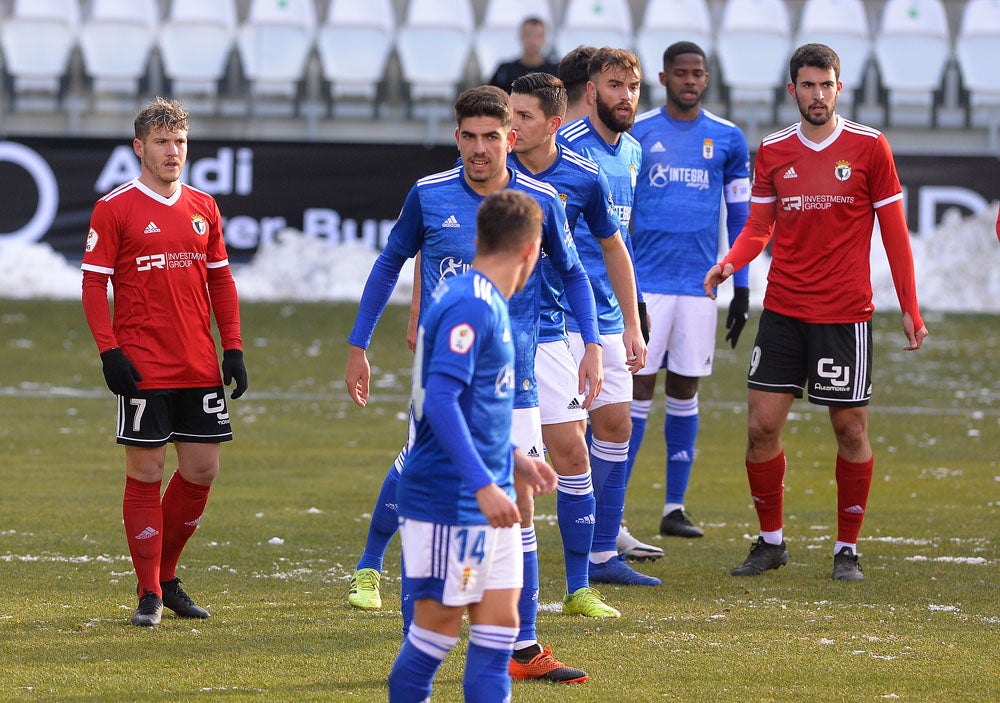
198 224
842 170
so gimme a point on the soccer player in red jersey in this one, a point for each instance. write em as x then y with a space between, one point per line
160 243
818 187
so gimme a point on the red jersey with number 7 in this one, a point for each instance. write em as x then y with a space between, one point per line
825 197
158 253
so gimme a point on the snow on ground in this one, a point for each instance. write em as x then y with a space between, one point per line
956 267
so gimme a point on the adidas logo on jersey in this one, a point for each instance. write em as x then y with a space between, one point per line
450 222
573 404
855 509
148 533
790 173
151 228
586 520
533 453
656 148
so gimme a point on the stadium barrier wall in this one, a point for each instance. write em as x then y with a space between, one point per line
336 192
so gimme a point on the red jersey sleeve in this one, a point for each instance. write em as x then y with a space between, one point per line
896 239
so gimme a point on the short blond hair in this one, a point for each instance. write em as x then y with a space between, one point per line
162 112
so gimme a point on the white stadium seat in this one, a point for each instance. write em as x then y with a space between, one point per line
497 37
666 22
354 44
977 48
274 45
116 40
586 22
196 41
843 26
37 40
912 47
753 46
433 45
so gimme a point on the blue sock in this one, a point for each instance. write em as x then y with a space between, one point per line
640 413
486 678
416 665
405 599
385 521
608 459
527 604
680 428
575 506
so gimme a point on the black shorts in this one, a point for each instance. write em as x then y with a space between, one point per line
832 363
155 417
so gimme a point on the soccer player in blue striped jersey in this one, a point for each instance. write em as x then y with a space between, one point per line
691 160
458 521
437 221
614 80
539 102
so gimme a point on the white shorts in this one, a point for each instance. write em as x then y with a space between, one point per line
683 328
526 432
454 564
617 386
558 378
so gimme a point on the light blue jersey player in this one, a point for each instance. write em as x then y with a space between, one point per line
458 521
438 221
691 161
614 80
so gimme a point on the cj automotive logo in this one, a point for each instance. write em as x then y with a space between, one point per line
837 376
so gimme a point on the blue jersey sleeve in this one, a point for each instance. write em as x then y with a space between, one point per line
441 408
378 288
598 209
407 235
559 247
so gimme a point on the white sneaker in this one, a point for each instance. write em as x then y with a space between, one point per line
634 550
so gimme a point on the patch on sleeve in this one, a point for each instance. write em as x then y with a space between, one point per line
461 338
91 240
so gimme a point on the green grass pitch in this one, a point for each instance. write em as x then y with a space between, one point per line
289 512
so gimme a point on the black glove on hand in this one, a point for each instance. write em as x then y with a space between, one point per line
119 373
643 321
739 312
234 368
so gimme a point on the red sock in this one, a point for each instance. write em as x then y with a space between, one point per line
767 489
144 531
183 504
853 484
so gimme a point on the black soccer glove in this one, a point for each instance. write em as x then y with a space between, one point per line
234 368
119 373
739 312
643 321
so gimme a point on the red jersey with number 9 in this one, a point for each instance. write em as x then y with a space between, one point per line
825 196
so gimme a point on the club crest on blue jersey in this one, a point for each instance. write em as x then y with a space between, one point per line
707 149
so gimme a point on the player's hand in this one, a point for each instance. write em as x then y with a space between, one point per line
497 506
644 321
534 473
739 313
635 350
914 338
714 277
357 375
233 368
119 373
591 374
